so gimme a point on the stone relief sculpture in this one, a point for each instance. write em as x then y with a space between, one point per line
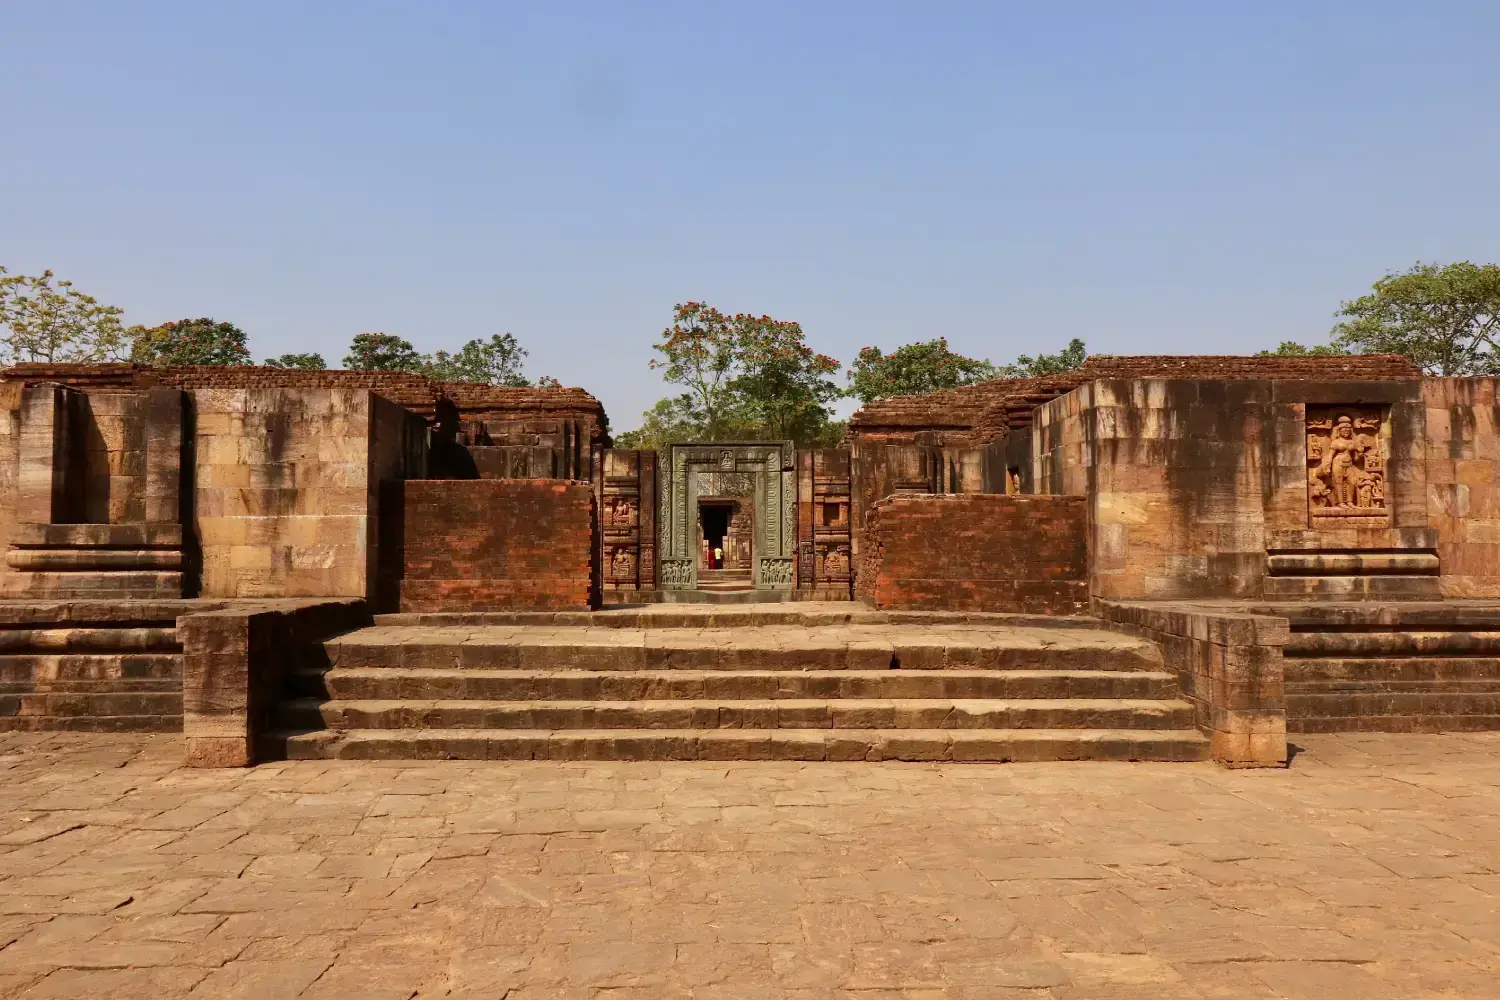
1346 467
620 512
622 565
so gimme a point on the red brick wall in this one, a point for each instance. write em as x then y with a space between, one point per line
493 544
976 552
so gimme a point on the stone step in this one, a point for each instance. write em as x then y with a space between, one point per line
743 744
1386 644
36 668
89 640
1450 685
74 704
1348 588
873 647
685 614
851 713
91 723
1356 706
1394 724
165 685
384 683
1384 670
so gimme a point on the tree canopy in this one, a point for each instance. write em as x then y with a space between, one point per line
1445 319
496 361
1292 349
1065 360
744 376
307 362
201 341
912 369
43 318
383 352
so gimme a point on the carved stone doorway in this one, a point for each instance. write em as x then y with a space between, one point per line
760 478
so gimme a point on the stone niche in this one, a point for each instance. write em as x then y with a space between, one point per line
1347 451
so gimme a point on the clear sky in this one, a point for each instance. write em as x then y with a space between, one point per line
1153 177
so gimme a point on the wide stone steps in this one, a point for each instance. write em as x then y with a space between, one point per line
970 745
705 683
1399 668
95 712
118 691
763 648
851 713
1392 643
386 683
1335 670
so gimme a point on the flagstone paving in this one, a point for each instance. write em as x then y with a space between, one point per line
1369 869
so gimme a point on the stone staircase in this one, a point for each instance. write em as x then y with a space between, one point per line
727 580
91 666
806 682
1417 667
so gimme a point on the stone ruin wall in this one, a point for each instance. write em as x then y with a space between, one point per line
276 473
976 552
487 545
1235 488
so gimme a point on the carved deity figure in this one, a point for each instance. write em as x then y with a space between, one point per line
620 513
1346 473
836 564
622 565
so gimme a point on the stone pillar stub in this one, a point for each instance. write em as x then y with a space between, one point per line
41 480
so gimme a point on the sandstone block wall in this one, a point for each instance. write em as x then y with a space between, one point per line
1191 481
976 552
494 544
1463 482
287 488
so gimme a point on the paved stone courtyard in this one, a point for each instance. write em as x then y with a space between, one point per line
1369 869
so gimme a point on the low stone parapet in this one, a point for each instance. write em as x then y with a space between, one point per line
1229 665
234 662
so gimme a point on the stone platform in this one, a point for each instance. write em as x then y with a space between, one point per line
810 681
1386 666
97 666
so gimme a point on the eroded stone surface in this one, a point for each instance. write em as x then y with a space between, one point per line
1371 868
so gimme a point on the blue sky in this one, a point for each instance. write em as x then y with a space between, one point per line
1153 177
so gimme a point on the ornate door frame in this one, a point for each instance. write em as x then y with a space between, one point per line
764 472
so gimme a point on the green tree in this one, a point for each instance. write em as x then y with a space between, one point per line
671 420
496 362
913 369
44 319
1065 360
1292 349
383 352
306 362
746 376
200 341
1444 319
784 387
701 352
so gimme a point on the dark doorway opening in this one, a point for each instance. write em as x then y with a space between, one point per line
715 519
724 557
